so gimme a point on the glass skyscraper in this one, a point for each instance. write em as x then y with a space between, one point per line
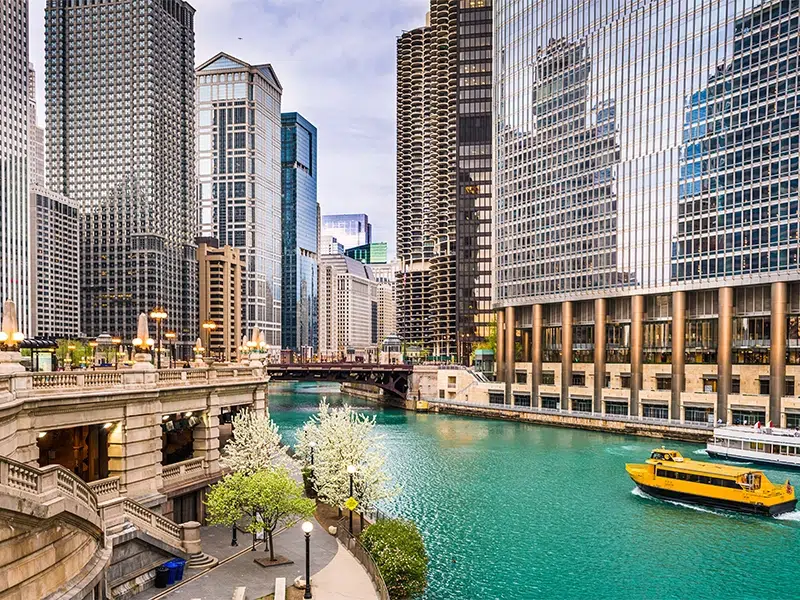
238 144
349 230
646 214
300 212
120 142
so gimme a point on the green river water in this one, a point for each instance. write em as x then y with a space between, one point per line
517 511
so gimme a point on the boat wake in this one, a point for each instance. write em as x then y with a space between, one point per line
641 494
790 516
701 451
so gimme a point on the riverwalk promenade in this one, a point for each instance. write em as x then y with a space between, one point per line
335 573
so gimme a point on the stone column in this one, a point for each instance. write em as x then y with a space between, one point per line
599 352
134 450
205 437
637 355
500 362
724 351
536 354
566 353
525 336
777 351
678 352
510 336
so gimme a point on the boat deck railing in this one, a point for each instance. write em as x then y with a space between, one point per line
703 426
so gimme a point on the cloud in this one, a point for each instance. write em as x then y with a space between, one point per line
336 62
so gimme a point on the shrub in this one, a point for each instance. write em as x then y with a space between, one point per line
399 551
308 482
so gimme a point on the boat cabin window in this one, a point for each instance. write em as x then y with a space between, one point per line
698 478
752 481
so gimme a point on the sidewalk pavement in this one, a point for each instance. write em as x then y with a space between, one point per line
335 573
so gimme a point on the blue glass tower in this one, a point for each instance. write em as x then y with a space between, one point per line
300 233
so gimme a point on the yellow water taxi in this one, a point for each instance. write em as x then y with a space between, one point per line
667 474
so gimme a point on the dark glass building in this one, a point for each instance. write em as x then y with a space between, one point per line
646 216
444 183
376 253
300 210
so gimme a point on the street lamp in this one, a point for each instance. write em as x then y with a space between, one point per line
351 471
234 541
93 346
307 527
312 445
116 341
209 326
171 335
158 314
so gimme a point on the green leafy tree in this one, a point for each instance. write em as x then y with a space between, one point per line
271 498
399 551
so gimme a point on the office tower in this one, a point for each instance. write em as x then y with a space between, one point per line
55 283
350 230
348 309
387 310
330 245
300 212
375 253
646 219
14 218
120 126
35 136
444 101
220 277
238 150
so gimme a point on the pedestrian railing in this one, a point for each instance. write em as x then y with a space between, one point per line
576 413
363 556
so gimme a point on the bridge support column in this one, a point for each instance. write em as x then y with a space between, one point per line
134 450
205 442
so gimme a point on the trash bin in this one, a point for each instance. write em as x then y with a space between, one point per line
162 577
180 564
172 567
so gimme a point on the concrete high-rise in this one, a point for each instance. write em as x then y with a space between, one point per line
239 170
120 142
36 158
646 236
220 280
55 283
14 210
301 236
444 149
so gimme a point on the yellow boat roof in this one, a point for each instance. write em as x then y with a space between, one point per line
680 463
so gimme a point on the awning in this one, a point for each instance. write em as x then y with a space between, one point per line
663 375
710 376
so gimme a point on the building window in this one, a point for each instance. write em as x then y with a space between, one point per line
701 341
793 420
710 384
618 343
663 382
751 340
625 381
789 391
607 381
497 398
736 385
616 408
583 343
579 379
655 411
522 399
699 415
763 386
521 377
548 378
582 404
748 417
551 344
550 402
657 346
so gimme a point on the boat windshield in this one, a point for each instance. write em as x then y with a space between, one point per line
751 481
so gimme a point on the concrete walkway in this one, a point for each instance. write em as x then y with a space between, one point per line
335 573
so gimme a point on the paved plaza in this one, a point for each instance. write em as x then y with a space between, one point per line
335 573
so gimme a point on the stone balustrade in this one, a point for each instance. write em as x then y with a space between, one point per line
187 469
105 489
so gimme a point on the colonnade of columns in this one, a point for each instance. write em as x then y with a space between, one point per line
506 336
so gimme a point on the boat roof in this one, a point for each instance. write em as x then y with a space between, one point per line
696 466
765 434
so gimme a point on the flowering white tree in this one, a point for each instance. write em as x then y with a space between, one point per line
343 437
256 444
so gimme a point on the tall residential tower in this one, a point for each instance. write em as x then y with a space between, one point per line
14 218
300 315
444 105
646 216
120 127
238 165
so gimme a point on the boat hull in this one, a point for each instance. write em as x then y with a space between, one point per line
743 507
752 459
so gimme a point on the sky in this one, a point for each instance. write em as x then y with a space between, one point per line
336 62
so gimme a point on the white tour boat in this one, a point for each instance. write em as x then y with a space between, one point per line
767 445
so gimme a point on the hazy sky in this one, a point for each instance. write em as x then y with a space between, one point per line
336 62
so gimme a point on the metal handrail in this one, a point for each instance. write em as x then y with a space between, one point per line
363 556
577 413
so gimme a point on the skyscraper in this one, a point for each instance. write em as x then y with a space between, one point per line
300 267
120 122
444 103
376 253
351 230
14 219
35 136
646 220
238 165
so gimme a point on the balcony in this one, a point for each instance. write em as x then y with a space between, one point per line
655 396
181 472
